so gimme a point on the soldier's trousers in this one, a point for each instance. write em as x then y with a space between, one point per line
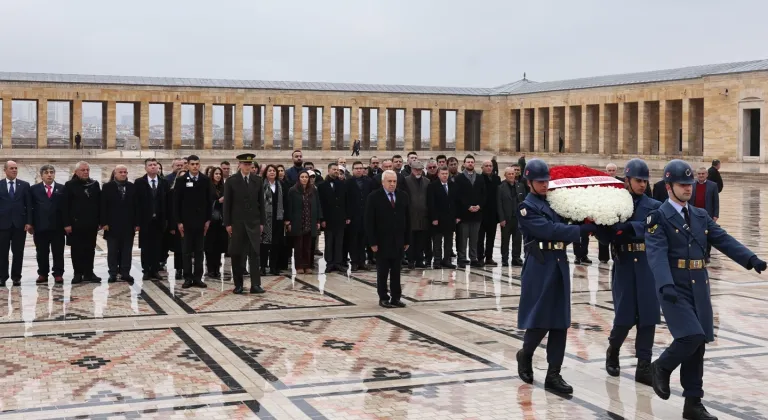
555 343
643 339
688 353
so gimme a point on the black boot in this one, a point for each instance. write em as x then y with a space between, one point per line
694 410
612 361
643 372
525 367
555 382
660 380
188 282
179 274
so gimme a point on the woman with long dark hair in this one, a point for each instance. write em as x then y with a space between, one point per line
216 239
280 173
302 221
274 208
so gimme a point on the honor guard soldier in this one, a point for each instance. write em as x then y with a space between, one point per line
632 284
676 243
545 301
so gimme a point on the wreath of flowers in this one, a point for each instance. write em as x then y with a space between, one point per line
582 194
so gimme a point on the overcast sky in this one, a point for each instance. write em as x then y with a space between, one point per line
422 42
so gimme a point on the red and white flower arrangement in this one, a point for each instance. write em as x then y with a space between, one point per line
582 194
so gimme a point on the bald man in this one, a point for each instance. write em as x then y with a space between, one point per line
120 220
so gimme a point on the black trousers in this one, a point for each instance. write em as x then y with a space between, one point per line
485 239
388 267
688 353
286 252
192 246
580 250
643 340
152 247
511 231
442 247
604 253
419 240
12 240
52 242
457 238
355 238
119 248
238 266
555 344
83 246
334 246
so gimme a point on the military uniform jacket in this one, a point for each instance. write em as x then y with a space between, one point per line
244 211
545 300
632 284
667 240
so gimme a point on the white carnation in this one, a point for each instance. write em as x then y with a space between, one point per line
603 205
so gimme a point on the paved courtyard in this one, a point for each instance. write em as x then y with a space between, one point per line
319 347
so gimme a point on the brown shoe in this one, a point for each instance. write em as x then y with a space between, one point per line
42 279
58 280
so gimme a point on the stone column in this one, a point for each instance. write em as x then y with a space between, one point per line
687 144
381 129
312 129
604 124
365 141
354 125
553 145
505 129
8 121
663 132
538 130
483 118
623 130
298 129
460 125
238 129
258 138
285 127
199 131
137 121
586 123
177 125
524 145
227 127
269 128
339 128
109 123
143 132
443 129
208 126
391 129
42 123
643 141
567 138
326 128
416 129
408 132
168 126
76 121
434 129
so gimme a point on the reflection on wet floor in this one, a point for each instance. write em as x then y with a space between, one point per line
318 346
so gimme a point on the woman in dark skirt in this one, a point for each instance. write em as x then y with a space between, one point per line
302 221
216 239
272 236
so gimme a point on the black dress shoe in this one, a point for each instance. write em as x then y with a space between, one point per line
695 410
505 264
612 361
93 278
586 261
179 274
524 367
127 279
420 265
660 380
16 282
187 283
448 265
555 382
238 290
462 265
257 290
412 266
199 283
263 271
78 278
386 304
643 372
490 261
476 264
330 269
274 272
517 262
146 276
155 276
398 304
42 279
112 279
213 275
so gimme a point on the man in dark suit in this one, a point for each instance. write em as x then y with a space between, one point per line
171 238
358 189
660 191
46 225
120 221
388 226
386 165
713 174
373 167
193 197
471 193
510 194
244 218
151 193
706 196
487 234
441 208
80 215
333 201
14 204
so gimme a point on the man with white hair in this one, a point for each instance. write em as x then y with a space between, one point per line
120 221
388 226
80 215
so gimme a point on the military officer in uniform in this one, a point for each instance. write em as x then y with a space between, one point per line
632 284
676 243
244 218
545 301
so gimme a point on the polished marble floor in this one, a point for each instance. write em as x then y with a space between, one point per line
319 347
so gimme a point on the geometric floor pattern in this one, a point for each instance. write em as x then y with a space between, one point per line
319 346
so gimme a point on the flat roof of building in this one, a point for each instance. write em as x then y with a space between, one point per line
515 88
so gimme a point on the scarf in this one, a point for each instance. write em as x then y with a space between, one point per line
121 188
269 196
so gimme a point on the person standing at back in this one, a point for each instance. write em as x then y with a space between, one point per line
471 192
120 220
151 193
46 199
80 215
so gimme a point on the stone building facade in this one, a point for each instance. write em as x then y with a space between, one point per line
711 111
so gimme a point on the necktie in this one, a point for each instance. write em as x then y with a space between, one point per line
392 199
687 217
194 179
446 188
48 191
12 191
246 180
154 188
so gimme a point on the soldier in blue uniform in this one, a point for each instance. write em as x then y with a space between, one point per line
632 284
545 300
676 244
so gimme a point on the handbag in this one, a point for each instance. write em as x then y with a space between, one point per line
216 214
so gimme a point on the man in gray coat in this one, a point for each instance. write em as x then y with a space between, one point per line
416 186
511 194
705 195
244 218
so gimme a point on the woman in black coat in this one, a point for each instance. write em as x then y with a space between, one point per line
216 239
274 229
302 221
